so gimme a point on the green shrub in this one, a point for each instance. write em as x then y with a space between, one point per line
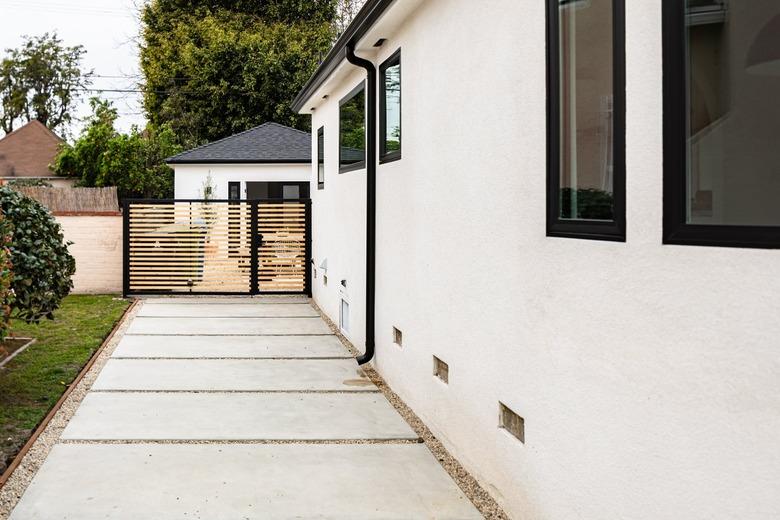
6 277
42 266
34 183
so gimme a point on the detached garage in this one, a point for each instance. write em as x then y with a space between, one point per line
270 161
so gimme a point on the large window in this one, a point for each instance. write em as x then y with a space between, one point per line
321 158
390 109
352 130
722 122
586 115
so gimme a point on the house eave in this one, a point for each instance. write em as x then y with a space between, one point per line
364 20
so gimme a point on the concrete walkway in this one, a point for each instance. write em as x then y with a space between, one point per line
237 409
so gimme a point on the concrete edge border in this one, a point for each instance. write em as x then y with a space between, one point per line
28 461
478 496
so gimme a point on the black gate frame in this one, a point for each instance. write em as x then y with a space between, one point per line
254 286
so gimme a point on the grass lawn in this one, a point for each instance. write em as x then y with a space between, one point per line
32 382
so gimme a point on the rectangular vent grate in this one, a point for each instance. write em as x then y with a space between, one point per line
441 369
398 337
511 422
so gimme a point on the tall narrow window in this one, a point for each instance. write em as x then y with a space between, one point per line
586 119
321 158
722 122
390 109
352 130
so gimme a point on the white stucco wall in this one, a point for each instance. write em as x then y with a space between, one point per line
648 375
189 178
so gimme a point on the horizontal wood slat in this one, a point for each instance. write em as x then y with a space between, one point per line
208 246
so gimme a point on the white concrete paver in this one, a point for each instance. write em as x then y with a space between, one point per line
229 482
165 416
141 346
257 417
221 310
228 326
259 375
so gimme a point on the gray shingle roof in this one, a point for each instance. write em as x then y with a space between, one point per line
267 143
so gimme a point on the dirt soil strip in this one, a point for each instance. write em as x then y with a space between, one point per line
27 462
468 484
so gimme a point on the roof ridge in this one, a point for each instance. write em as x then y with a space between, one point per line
307 134
32 122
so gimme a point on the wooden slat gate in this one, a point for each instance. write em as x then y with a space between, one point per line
217 246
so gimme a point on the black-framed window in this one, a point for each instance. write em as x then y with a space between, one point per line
352 130
586 195
390 108
722 122
321 158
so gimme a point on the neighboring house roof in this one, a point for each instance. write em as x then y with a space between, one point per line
364 20
267 143
28 151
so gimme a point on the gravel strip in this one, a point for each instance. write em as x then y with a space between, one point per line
242 441
468 484
12 491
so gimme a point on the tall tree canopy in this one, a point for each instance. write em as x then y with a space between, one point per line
134 162
216 67
43 79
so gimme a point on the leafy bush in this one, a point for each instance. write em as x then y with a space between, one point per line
42 266
33 183
6 277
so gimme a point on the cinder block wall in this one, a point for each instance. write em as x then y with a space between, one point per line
97 248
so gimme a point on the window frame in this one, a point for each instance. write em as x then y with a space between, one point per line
321 157
676 229
360 165
393 155
614 230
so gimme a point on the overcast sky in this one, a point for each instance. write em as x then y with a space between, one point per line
106 28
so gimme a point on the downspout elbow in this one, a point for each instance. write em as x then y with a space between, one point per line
371 160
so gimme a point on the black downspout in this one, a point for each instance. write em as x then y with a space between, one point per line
370 198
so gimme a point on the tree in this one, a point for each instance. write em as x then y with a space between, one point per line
345 13
41 265
215 68
84 159
43 80
134 162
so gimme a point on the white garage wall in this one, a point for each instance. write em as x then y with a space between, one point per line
189 178
647 374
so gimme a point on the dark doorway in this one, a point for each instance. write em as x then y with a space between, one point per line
277 190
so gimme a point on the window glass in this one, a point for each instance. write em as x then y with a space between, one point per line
321 157
291 191
391 116
586 110
733 113
352 130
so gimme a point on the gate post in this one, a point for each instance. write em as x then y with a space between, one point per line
125 248
307 281
254 286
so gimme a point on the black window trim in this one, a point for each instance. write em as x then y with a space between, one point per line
360 165
393 155
676 230
595 230
321 153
